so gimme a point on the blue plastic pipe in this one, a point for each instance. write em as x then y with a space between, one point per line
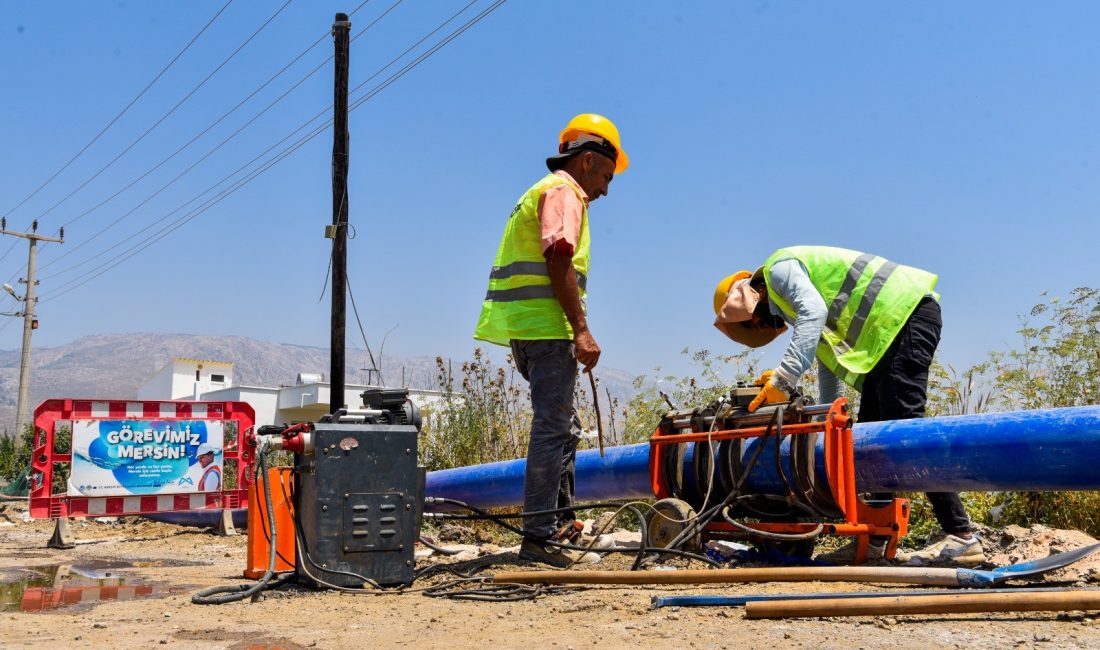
1049 449
623 473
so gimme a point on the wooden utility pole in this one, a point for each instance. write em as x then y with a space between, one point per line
339 232
30 323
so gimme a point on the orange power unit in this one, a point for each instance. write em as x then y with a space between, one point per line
281 480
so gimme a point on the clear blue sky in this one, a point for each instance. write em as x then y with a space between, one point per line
957 137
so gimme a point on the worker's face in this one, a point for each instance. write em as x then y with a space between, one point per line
206 459
762 316
595 174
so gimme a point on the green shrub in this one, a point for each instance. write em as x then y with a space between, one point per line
487 420
15 462
657 394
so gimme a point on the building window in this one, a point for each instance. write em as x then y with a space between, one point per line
197 377
217 379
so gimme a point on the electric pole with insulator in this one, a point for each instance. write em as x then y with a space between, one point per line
339 229
30 323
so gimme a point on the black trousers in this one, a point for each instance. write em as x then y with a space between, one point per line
897 389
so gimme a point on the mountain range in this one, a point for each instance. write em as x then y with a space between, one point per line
114 366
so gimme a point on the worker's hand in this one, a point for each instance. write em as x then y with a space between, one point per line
769 394
763 378
587 351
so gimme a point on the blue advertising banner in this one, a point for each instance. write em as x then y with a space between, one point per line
136 457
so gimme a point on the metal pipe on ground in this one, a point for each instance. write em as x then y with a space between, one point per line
742 600
968 603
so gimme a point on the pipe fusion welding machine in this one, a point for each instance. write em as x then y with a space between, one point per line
702 458
348 512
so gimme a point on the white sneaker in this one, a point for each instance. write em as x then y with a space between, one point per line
949 549
597 543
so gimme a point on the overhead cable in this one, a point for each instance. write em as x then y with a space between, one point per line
164 232
229 176
171 110
115 118
123 111
209 153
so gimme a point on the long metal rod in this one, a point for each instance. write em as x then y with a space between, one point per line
742 600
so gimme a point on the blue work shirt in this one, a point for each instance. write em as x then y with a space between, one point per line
790 280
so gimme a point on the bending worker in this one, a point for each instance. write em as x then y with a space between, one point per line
536 305
873 324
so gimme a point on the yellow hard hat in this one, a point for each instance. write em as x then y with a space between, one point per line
598 125
747 332
723 289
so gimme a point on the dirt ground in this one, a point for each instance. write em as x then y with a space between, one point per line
179 561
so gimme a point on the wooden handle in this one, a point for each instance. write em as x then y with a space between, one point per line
893 575
952 604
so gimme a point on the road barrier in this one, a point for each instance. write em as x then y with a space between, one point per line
100 458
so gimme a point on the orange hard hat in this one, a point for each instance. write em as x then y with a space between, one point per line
597 125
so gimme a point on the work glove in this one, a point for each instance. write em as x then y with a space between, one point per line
763 378
771 393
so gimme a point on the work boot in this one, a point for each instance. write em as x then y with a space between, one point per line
533 551
847 554
950 549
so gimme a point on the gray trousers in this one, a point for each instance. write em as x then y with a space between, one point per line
550 367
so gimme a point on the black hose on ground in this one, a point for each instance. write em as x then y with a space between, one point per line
501 520
234 593
437 548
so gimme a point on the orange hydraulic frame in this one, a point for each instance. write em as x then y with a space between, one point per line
860 520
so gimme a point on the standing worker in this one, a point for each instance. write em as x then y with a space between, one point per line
536 305
874 324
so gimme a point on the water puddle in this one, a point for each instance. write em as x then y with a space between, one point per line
43 588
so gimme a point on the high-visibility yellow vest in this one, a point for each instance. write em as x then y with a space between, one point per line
520 303
869 300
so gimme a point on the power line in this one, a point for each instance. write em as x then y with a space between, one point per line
164 232
432 50
167 230
318 115
126 108
209 153
158 122
116 117
171 110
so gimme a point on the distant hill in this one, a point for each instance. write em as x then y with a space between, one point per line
115 365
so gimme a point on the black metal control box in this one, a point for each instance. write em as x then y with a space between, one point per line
359 500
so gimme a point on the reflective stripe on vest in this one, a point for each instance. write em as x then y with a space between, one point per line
524 268
520 302
869 300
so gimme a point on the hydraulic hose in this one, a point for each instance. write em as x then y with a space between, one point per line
234 593
501 520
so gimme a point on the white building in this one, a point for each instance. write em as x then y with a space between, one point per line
184 378
306 401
